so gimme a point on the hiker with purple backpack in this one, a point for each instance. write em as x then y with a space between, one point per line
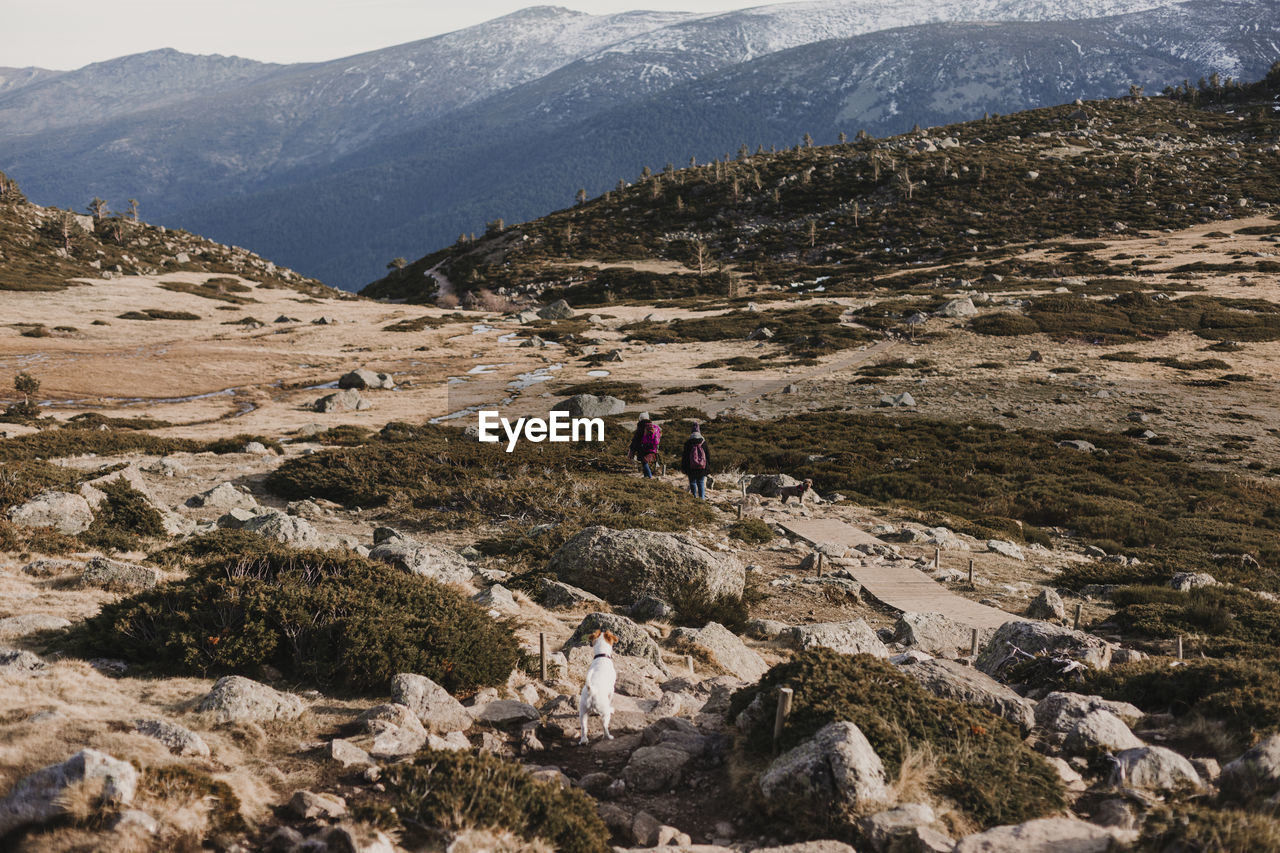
644 444
696 462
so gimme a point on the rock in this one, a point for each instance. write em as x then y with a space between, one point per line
434 707
647 608
1059 711
422 558
560 595
1100 730
118 576
958 308
256 448
848 638
945 539
393 731
135 821
836 767
1067 774
1256 773
64 512
770 485
937 634
1155 768
348 754
235 699
1039 638
179 740
324 321
48 568
1187 581
235 519
1207 769
590 406
362 378
285 529
623 565
654 768
558 310
30 623
1006 549
505 713
38 798
309 806
1078 444
497 597
951 680
222 496
348 400
896 401
1047 835
722 648
898 830
19 662
1047 605
633 640
767 629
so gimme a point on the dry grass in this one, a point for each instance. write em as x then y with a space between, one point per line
489 841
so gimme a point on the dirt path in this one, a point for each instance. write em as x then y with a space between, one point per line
905 589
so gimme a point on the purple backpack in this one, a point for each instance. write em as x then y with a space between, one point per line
650 440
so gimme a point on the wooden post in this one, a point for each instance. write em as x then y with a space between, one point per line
742 505
970 571
1179 647
818 562
937 559
1075 626
688 659
973 643
542 654
784 710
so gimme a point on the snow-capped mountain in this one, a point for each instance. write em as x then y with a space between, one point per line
333 167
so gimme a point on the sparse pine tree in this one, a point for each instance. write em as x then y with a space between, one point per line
581 197
813 233
28 386
645 173
397 264
693 161
743 151
622 185
862 135
669 169
842 137
133 209
679 204
808 141
98 207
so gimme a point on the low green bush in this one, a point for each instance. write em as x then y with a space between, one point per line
983 765
752 531
458 790
1203 828
1213 612
630 392
327 618
123 519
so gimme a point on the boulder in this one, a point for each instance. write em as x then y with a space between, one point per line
48 568
392 730
623 565
348 400
770 485
1059 711
590 406
558 310
19 662
285 529
497 597
633 640
943 538
767 629
951 680
235 699
118 576
348 754
1047 835
30 623
836 767
958 308
1037 638
1155 768
937 634
904 828
223 496
505 713
1006 549
309 806
848 638
1047 605
1100 731
235 519
1078 444
722 648
64 512
423 558
560 595
180 740
362 378
1187 581
434 707
654 768
1256 773
896 401
38 798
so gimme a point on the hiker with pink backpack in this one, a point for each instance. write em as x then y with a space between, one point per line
644 444
696 462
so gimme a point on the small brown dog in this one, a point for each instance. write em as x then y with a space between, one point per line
798 491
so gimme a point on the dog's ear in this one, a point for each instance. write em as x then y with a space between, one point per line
611 638
592 639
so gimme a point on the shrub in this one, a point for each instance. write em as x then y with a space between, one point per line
751 530
630 392
1197 828
176 786
695 606
983 765
322 617
1213 612
457 790
123 518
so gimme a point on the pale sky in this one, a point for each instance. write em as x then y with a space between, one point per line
68 34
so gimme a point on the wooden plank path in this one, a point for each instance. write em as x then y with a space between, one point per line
902 588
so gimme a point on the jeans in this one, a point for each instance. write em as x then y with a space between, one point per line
646 470
698 485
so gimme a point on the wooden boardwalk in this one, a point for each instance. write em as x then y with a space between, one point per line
906 589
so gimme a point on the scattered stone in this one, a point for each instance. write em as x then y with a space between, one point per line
1006 549
558 310
30 623
1256 773
1047 605
654 768
285 529
1155 768
48 568
560 595
310 806
235 519
896 401
722 648
348 754
38 798
904 828
235 699
958 308
435 708
1060 711
633 640
505 713
767 629
64 512
770 485
848 638
590 406
362 378
223 496
256 448
348 400
1035 638
1187 581
952 680
937 634
837 766
395 731
19 662
497 597
180 740
118 576
1078 444
1100 730
423 558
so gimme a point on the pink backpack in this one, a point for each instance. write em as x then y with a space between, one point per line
650 440
698 456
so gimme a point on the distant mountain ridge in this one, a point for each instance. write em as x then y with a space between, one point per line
335 167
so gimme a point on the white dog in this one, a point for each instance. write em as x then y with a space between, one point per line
597 693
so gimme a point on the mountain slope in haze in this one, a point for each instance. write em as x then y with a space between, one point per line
438 183
338 166
12 79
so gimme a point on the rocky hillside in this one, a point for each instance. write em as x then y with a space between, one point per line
493 121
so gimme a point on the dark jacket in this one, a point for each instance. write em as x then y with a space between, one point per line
637 439
685 464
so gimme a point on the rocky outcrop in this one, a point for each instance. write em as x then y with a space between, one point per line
118 576
558 310
1047 605
655 768
623 565
285 529
770 485
62 511
348 400
236 699
836 767
1035 638
422 558
362 378
1256 773
937 634
38 798
855 637
951 680
1155 768
179 740
223 496
721 648
434 707
560 595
